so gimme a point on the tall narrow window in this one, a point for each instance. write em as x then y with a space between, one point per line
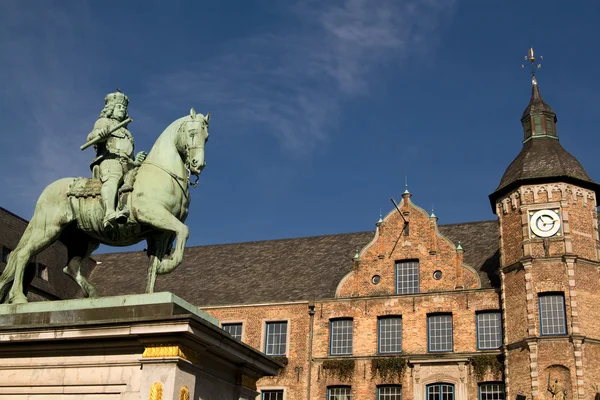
272 395
234 330
389 392
491 391
407 277
440 391
390 334
552 314
341 337
439 329
339 393
489 330
276 338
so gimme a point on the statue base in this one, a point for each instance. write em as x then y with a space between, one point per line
149 346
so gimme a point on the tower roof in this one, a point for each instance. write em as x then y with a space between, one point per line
542 158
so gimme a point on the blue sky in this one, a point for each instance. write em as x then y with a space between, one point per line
319 109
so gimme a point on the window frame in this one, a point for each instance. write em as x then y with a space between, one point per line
560 295
335 320
379 387
429 316
389 317
397 264
330 388
501 384
276 391
287 337
231 323
430 385
501 327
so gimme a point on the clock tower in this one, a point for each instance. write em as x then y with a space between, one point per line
549 269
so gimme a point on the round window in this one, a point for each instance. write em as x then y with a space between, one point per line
376 279
437 275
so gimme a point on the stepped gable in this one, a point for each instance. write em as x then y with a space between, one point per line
275 270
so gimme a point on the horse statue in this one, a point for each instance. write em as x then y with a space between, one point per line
156 194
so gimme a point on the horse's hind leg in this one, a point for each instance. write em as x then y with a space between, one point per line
39 234
78 254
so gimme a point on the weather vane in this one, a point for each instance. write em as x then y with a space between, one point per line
531 58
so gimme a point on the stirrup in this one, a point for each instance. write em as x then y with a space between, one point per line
122 216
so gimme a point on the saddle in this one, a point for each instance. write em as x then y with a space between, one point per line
91 187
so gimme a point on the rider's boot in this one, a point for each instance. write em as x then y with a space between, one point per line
109 195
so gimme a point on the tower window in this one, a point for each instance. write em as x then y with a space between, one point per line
549 126
552 314
407 277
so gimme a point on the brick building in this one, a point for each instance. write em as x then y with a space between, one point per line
415 310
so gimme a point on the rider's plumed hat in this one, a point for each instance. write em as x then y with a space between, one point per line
116 98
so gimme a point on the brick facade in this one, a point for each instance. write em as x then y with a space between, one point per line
457 293
565 264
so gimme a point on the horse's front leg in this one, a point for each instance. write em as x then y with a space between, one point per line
157 247
154 214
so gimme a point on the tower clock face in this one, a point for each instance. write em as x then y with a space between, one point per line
544 223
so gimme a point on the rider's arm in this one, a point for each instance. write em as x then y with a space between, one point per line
100 126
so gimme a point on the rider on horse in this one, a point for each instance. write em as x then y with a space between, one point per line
114 153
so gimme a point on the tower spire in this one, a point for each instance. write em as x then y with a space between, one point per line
538 119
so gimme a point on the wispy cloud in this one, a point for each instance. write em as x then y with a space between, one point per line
290 82
294 82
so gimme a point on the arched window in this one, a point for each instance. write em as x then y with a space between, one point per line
440 391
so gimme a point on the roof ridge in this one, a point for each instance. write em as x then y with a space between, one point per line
300 237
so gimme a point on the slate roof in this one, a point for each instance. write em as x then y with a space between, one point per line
307 268
543 159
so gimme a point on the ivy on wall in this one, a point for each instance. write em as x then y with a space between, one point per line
343 369
388 367
482 363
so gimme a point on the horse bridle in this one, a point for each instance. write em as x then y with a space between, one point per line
177 178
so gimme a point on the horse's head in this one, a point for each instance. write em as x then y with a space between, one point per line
193 136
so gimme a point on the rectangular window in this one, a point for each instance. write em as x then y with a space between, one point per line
489 330
389 392
439 332
276 339
339 393
341 337
272 395
491 391
390 334
549 129
552 314
407 277
234 330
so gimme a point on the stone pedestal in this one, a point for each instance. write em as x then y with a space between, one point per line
151 346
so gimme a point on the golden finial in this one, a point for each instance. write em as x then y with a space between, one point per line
530 57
